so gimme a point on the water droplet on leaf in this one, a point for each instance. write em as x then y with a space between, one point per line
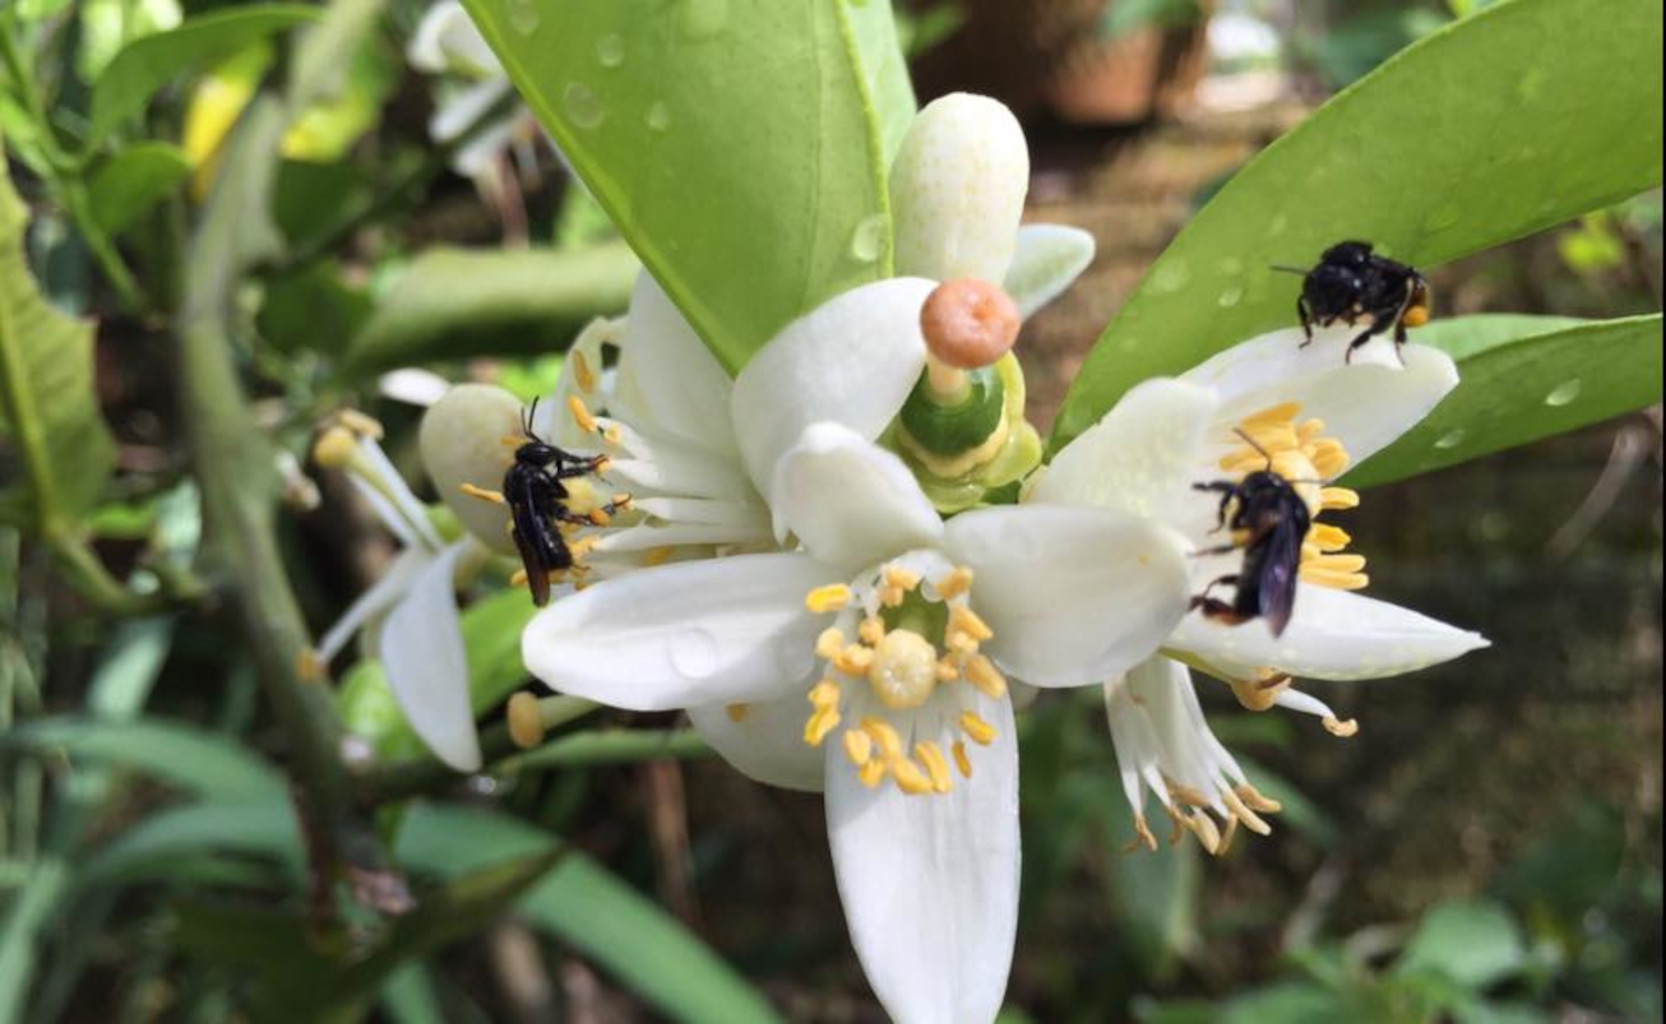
1170 277
659 116
1231 297
583 107
1450 439
523 16
867 242
610 51
703 19
1563 393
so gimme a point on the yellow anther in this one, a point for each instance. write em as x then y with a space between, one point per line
599 517
820 724
902 670
1310 430
1257 800
910 778
891 597
1143 833
1336 563
526 722
1327 538
360 423
960 642
620 501
824 694
582 374
883 734
335 448
602 464
582 546
957 582
1242 812
982 673
830 598
961 761
611 435
1333 498
967 621
1335 580
936 765
511 440
858 747
1185 795
1283 412
658 556
854 660
517 578
1339 728
871 631
1259 694
1227 837
872 773
1204 828
310 667
948 670
973 725
581 415
829 643
495 497
737 712
902 579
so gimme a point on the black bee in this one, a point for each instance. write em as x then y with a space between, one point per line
1270 522
537 502
1351 285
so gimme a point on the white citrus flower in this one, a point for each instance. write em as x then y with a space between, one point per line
447 42
1313 416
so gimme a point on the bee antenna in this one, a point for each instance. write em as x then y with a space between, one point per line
528 414
1251 442
1281 268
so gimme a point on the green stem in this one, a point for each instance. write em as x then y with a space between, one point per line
612 746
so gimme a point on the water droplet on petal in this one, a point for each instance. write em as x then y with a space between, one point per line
659 116
523 16
867 242
1450 439
610 51
1563 393
694 653
703 19
583 106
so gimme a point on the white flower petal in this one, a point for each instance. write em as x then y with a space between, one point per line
930 883
461 441
446 40
1139 458
704 632
457 112
379 598
765 740
1365 404
850 502
1073 595
1333 634
681 386
400 511
957 189
1049 257
853 360
422 654
413 386
475 159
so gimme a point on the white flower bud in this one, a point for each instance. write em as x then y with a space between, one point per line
957 190
462 443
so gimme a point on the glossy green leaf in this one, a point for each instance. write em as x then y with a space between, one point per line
1474 944
47 403
736 143
203 762
1524 378
453 304
588 908
126 186
143 67
175 841
1498 126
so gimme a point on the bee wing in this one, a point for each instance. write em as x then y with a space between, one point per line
1281 559
529 530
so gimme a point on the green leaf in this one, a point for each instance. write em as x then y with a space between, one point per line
202 762
133 181
313 308
179 840
1156 894
735 143
47 403
1474 944
588 908
146 65
453 304
1523 378
1498 126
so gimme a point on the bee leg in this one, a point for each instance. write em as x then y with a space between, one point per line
1219 549
1376 328
1227 490
1307 321
575 466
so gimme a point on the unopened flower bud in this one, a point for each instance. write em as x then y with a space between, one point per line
465 440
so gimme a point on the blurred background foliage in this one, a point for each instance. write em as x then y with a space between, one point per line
1487 850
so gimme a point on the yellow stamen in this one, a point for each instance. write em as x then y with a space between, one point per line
526 722
910 779
1259 694
581 415
1335 580
983 674
820 724
957 582
658 556
1204 828
360 424
966 620
871 631
1186 795
872 773
1328 538
980 731
1280 413
854 660
830 598
1143 833
1241 812
1334 498
517 578
737 712
495 497
824 694
883 734
582 373
1227 837
511 441
858 747
937 767
948 670
902 579
1257 800
961 761
829 643
335 448
1339 728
